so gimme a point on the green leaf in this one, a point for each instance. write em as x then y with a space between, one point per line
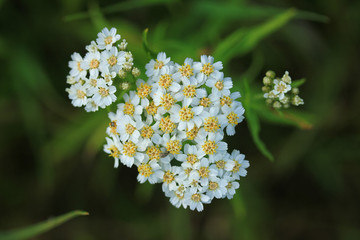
231 11
148 51
118 7
298 83
253 120
36 229
243 40
254 126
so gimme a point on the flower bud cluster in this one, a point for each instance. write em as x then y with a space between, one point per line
278 91
172 129
91 77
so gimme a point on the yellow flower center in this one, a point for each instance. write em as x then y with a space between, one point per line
189 91
112 60
80 94
205 102
151 109
229 185
108 40
145 169
158 64
186 70
94 63
78 67
167 101
192 159
129 129
207 69
103 92
113 126
168 177
225 100
93 82
213 185
173 146
196 197
129 109
220 164
236 167
219 85
147 132
191 135
209 147
211 124
165 81
232 118
186 114
143 90
153 152
204 172
114 151
129 149
166 125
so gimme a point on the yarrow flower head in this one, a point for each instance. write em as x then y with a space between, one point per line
172 127
91 77
278 91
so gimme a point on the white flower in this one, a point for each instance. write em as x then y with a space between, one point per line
231 117
185 71
131 106
189 93
107 38
231 186
149 171
210 144
132 153
112 59
280 88
207 67
220 86
103 95
196 199
237 164
77 70
112 147
129 129
91 62
187 117
91 106
77 93
158 66
92 47
216 187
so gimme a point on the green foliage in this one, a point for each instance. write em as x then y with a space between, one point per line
34 230
242 41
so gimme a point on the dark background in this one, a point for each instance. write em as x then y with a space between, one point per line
51 153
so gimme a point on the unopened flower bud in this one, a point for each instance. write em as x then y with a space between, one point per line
135 72
125 85
265 89
277 105
123 45
122 74
295 91
270 74
286 78
267 81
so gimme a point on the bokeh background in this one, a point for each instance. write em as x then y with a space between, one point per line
51 158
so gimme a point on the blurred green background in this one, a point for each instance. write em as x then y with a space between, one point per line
51 153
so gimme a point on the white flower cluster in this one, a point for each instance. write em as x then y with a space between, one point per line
172 128
91 78
278 92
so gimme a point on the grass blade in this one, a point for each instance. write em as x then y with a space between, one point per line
244 40
39 228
